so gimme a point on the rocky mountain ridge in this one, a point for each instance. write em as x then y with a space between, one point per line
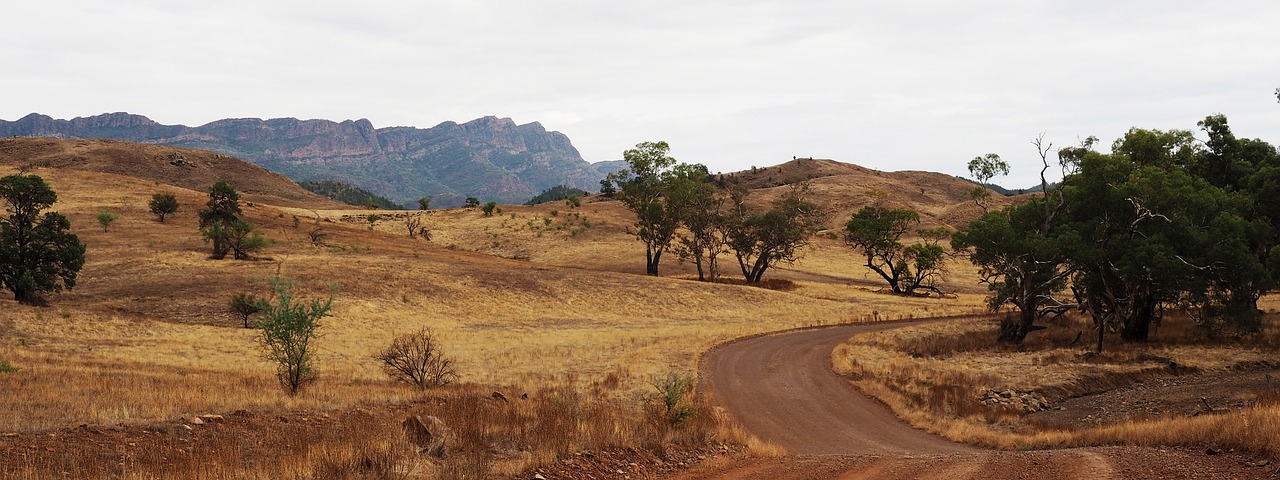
489 158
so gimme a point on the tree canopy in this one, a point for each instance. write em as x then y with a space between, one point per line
38 253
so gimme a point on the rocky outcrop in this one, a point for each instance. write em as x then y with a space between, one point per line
489 158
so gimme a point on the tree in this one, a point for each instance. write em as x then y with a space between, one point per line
38 253
245 305
646 192
416 359
424 203
1020 251
287 327
472 202
105 218
760 240
413 223
983 169
704 219
239 237
488 208
163 204
877 231
222 210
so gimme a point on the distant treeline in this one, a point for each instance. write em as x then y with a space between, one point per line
349 194
558 192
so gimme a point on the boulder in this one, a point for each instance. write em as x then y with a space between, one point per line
430 436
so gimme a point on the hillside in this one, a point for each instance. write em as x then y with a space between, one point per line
190 169
489 158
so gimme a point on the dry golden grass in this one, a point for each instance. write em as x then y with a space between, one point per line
524 304
934 375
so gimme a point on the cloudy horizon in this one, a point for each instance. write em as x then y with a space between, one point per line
890 86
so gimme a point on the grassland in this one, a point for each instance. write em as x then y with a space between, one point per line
525 304
936 376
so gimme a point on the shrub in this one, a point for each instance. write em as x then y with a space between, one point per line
488 208
105 218
245 305
416 359
288 327
674 391
163 204
5 367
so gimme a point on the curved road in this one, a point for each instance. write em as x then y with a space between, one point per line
781 388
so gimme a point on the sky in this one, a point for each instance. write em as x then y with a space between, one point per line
923 85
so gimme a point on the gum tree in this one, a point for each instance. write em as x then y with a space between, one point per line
38 253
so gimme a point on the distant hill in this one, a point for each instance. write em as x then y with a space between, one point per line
348 194
489 158
192 169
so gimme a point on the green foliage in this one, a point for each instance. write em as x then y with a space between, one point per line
559 192
5 367
644 189
877 231
245 305
105 218
1163 221
760 240
424 203
472 202
573 201
349 194
38 253
488 208
239 237
675 392
288 326
163 204
222 209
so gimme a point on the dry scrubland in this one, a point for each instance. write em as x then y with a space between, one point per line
145 337
936 375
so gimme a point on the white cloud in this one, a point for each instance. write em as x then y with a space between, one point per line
890 85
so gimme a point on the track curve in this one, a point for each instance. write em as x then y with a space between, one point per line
781 388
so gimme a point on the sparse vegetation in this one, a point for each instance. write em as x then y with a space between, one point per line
418 359
488 208
163 204
675 391
105 219
556 193
246 305
760 240
288 327
877 231
349 194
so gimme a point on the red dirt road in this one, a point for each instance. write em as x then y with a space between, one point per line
782 389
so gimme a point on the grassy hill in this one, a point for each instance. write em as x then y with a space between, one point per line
544 299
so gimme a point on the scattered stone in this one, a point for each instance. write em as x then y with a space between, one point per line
430 436
194 420
1212 451
538 476
211 417
9 435
499 396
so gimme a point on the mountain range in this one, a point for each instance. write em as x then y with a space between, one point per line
489 158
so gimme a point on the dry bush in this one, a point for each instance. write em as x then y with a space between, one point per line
416 358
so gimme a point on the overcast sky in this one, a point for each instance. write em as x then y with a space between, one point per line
890 85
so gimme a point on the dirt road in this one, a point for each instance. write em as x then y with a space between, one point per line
782 389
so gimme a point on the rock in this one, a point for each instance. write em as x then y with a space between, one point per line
211 417
9 435
1212 451
430 436
538 476
194 420
499 396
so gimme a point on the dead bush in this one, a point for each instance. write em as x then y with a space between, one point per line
416 359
